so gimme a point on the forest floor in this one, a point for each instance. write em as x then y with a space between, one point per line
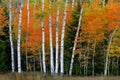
38 76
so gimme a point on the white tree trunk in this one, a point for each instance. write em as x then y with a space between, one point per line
19 39
93 59
75 42
57 37
62 40
34 3
108 49
40 57
43 40
73 2
51 44
10 35
103 3
27 31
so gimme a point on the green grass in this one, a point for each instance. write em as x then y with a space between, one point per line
38 76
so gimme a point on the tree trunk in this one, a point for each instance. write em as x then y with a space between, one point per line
51 44
117 66
93 65
108 70
108 49
34 3
28 24
43 40
103 3
34 63
10 36
75 42
62 40
93 61
90 2
57 37
40 57
19 39
73 2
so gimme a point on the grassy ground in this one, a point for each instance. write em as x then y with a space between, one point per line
38 76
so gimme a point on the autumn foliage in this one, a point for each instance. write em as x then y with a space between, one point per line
3 20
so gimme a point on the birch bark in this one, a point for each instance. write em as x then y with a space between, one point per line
51 44
10 36
108 49
62 40
34 3
19 39
93 59
75 42
103 3
43 40
57 37
73 2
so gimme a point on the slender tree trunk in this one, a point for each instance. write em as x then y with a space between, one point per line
34 3
103 3
108 70
19 39
87 56
57 37
117 66
34 63
108 49
10 36
73 3
28 24
93 61
86 67
90 2
62 40
40 57
43 40
93 66
51 44
85 60
84 70
75 42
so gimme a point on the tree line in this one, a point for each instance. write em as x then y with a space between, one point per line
79 37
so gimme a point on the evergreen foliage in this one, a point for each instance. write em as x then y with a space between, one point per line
69 42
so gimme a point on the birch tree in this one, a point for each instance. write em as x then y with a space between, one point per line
75 42
51 44
10 35
62 40
43 40
57 37
19 39
73 2
104 2
34 3
108 49
28 24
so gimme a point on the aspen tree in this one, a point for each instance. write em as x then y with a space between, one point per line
108 49
43 40
10 36
75 42
73 2
51 44
62 40
19 38
57 37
